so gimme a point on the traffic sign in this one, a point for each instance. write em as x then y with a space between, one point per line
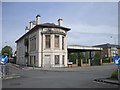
117 60
3 59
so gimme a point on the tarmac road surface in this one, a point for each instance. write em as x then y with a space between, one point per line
53 79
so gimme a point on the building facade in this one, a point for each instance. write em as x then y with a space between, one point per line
109 50
43 45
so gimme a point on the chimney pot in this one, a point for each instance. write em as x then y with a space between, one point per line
38 19
60 21
26 29
31 24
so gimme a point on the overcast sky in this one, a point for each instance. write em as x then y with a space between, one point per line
91 23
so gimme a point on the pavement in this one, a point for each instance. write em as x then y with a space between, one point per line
61 69
11 76
107 80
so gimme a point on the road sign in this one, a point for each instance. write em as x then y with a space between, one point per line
117 60
3 59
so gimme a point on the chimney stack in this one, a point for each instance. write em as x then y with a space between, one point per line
26 29
34 23
38 19
60 21
31 24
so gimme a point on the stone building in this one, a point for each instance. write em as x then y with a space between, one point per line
43 45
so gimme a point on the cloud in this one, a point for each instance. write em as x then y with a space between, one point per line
90 39
92 35
93 29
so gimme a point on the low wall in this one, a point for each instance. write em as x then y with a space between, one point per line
107 63
88 64
74 65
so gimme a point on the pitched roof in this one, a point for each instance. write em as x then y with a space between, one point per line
52 25
45 25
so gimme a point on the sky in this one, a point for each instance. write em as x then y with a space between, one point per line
91 23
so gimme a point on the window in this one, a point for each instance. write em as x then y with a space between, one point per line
56 41
63 43
30 60
56 59
47 41
63 58
114 52
34 60
33 43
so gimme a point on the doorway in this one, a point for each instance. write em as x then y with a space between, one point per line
47 61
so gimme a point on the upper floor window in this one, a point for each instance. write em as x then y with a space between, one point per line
33 43
56 41
47 41
63 43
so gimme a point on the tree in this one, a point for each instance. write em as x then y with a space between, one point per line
97 55
72 57
97 58
0 54
7 50
81 55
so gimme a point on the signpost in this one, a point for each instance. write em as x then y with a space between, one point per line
117 62
3 60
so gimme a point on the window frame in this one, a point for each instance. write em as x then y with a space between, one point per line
63 59
57 62
56 41
48 41
63 43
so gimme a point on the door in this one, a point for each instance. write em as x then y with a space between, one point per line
47 61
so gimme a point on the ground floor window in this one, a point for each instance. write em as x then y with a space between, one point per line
63 59
32 60
57 59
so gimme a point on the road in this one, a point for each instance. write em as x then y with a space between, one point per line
48 79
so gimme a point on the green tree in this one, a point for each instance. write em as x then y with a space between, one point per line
81 55
72 57
97 55
7 50
0 54
97 58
